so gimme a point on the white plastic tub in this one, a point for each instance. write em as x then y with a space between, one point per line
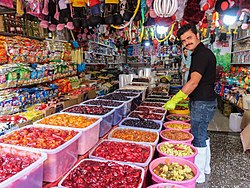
107 119
119 110
89 135
91 156
134 128
59 160
31 176
129 126
133 166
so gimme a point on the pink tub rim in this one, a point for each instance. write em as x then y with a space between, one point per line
177 122
175 159
165 184
174 142
180 141
167 117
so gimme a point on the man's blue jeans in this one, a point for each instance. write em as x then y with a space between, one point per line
201 113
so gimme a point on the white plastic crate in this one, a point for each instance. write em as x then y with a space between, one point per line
59 160
106 122
235 121
31 176
89 135
146 163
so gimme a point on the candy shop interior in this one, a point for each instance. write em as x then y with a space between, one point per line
102 93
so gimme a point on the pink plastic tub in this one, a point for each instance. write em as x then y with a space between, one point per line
186 183
189 158
177 115
177 122
189 141
165 185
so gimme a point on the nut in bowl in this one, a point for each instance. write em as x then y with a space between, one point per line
175 149
174 170
177 136
177 125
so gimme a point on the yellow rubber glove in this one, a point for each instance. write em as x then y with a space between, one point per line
170 105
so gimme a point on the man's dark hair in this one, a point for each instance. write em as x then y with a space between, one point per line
185 28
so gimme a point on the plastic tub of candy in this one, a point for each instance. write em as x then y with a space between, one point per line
127 103
141 123
118 106
161 100
178 117
165 185
30 176
177 136
114 150
107 118
135 135
192 171
177 125
175 149
89 134
94 169
144 115
153 104
60 159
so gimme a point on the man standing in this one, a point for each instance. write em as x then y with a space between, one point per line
200 89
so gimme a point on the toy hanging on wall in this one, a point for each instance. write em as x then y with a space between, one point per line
245 17
95 11
49 11
180 10
112 12
207 4
65 17
204 26
79 13
192 12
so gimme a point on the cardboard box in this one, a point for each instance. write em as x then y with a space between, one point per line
49 111
245 138
72 100
92 94
24 123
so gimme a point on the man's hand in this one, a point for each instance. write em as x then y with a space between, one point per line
170 105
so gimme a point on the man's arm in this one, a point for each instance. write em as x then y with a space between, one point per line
190 86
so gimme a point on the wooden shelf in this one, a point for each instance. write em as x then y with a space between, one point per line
241 51
12 34
101 44
242 38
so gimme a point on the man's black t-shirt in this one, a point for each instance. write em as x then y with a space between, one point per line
203 61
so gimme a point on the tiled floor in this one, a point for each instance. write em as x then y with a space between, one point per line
230 166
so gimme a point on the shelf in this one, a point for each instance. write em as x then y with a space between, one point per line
12 34
102 54
245 63
36 83
242 38
101 44
95 63
241 51
56 40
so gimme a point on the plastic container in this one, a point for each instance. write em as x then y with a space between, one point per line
60 159
89 135
151 104
186 183
189 158
134 128
31 176
91 156
177 122
162 115
106 122
182 112
235 121
134 166
119 110
127 126
165 185
189 141
156 100
177 115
